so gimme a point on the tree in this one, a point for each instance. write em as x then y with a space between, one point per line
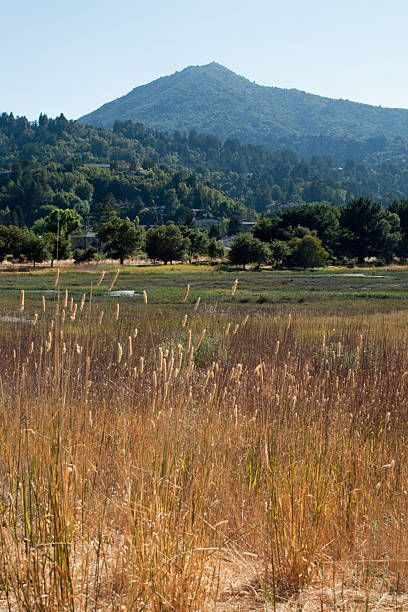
121 238
246 249
401 209
11 241
166 243
56 229
235 223
390 229
84 255
369 230
60 222
108 208
4 242
215 249
320 217
170 202
35 248
68 199
198 242
268 229
308 252
280 251
59 246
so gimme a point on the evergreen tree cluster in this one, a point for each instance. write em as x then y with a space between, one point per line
259 178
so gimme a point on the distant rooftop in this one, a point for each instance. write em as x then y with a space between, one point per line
85 234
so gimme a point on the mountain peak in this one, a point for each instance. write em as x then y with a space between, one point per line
211 69
215 66
211 98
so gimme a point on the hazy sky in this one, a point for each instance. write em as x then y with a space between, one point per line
72 56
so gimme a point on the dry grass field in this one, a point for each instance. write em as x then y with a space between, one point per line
187 457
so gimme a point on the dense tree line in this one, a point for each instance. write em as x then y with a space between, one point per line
309 235
362 229
31 190
261 179
48 174
264 179
119 238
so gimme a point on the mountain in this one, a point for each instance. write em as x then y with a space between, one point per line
213 99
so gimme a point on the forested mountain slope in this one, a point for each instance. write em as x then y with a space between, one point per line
46 163
213 99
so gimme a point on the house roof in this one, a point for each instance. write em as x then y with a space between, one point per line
87 234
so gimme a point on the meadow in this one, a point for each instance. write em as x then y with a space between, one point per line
204 444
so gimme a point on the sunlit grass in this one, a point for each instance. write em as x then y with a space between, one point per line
146 448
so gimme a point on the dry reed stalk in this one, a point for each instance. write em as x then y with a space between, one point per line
186 294
199 340
22 301
102 276
139 477
113 281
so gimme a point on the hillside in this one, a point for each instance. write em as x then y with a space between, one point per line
213 99
260 179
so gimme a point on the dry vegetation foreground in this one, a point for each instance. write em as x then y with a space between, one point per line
186 459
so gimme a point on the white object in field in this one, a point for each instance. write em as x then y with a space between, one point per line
124 293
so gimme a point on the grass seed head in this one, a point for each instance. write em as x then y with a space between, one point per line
102 276
113 281
186 293
74 312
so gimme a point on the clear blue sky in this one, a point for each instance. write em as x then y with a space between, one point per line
72 56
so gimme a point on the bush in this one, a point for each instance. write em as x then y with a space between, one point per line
308 252
84 255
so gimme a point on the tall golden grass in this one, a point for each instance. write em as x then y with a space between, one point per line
143 452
